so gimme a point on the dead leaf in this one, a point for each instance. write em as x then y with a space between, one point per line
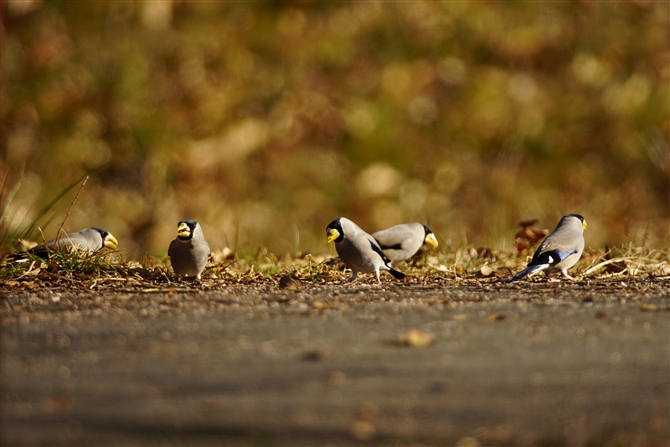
61 402
337 378
538 234
363 431
415 338
650 307
520 245
485 272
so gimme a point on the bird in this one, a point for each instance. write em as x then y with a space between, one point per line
358 250
189 252
403 241
560 250
88 240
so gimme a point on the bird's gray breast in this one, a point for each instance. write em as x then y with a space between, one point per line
357 256
186 259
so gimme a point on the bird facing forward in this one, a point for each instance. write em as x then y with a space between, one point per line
358 250
560 250
189 252
403 241
86 241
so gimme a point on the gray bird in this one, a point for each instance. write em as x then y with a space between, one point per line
189 252
85 241
401 242
358 250
560 250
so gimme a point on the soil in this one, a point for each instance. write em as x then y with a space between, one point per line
290 362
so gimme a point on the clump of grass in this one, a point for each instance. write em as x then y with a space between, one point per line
67 263
12 271
100 263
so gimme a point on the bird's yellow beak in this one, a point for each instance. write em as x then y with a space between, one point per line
110 241
584 225
332 234
431 240
183 230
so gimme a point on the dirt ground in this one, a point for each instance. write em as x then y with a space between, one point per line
439 363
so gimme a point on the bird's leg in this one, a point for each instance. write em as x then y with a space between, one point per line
379 281
354 274
565 273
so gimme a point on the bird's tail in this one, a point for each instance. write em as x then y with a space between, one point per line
17 258
524 272
396 274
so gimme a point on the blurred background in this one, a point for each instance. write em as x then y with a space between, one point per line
265 121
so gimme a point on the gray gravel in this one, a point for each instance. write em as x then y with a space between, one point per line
452 363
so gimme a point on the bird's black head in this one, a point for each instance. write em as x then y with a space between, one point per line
334 231
103 233
578 216
186 229
427 230
108 240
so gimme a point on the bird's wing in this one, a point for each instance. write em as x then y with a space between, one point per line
551 257
393 237
378 250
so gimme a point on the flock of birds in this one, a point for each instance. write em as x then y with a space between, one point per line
360 251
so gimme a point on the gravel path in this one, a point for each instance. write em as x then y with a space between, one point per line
446 363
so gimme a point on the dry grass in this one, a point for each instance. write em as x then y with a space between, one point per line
107 268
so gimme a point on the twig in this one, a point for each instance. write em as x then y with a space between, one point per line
604 263
60 228
44 241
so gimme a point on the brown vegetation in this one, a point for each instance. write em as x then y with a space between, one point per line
264 121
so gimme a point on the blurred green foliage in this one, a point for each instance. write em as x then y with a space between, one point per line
266 120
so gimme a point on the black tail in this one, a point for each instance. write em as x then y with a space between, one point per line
396 274
524 272
17 258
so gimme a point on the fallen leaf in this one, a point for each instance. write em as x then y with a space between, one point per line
337 378
650 307
312 356
415 338
362 430
485 272
61 402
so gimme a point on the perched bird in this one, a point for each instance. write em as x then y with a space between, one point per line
401 242
88 241
358 250
189 252
560 250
